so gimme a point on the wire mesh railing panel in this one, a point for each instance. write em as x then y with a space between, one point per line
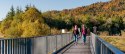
51 44
39 45
34 45
59 42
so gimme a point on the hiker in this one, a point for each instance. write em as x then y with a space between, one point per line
95 30
84 32
75 33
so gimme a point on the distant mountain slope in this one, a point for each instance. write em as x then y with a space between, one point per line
114 7
104 15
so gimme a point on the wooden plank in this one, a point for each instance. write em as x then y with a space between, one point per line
80 48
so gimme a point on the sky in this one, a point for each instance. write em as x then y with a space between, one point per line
44 5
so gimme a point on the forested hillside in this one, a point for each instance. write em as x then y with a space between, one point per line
107 16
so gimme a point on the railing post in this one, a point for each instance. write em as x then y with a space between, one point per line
101 49
25 45
62 40
9 46
98 49
69 38
56 42
21 46
93 43
13 45
18 46
106 50
0 47
46 45
5 46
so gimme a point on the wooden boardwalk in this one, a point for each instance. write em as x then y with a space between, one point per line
80 48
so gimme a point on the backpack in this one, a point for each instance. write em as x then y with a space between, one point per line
75 32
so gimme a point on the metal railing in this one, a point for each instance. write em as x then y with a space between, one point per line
34 45
102 47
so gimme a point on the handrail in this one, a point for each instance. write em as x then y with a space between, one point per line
103 47
111 47
31 37
34 45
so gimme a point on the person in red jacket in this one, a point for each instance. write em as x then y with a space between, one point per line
84 32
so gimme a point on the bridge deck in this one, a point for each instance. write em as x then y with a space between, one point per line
80 48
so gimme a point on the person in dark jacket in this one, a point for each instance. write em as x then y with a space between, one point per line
75 33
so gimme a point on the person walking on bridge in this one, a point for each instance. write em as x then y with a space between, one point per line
84 32
75 33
